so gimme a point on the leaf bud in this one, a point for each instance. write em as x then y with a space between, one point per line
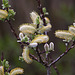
46 47
51 46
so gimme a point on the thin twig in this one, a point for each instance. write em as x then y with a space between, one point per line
41 11
13 30
63 54
40 58
42 52
54 66
44 23
21 44
33 57
2 56
48 71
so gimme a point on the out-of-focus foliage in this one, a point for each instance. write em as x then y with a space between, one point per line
67 12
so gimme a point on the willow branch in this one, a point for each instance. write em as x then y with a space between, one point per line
12 29
54 66
41 11
48 71
62 55
21 44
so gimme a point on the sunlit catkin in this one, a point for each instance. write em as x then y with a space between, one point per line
26 55
27 29
40 39
64 34
16 71
72 30
1 70
3 13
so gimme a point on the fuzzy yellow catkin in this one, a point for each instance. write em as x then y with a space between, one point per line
1 70
45 28
34 16
72 30
26 55
3 13
64 34
40 39
27 29
16 71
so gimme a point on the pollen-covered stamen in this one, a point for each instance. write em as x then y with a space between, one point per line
3 13
40 39
16 71
64 34
26 55
1 70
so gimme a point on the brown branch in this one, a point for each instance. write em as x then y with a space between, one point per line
42 52
41 11
2 56
33 57
48 71
63 54
40 58
54 66
21 44
12 29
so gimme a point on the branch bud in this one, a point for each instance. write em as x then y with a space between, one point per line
21 36
46 47
51 46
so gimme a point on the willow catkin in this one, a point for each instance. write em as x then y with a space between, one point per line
64 34
26 55
16 71
3 13
40 39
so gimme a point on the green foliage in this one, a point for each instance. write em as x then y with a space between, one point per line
2 19
6 73
21 58
25 39
44 11
5 4
11 14
5 64
37 20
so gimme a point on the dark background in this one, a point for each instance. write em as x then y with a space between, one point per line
61 14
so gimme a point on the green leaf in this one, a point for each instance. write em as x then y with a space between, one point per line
5 63
11 14
21 58
37 20
6 73
5 4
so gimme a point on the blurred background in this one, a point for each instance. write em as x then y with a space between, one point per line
61 14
